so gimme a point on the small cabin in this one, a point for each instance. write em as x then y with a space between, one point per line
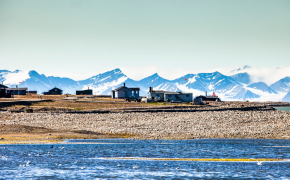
3 92
84 92
156 95
209 98
199 99
125 92
31 92
161 96
53 91
178 97
18 90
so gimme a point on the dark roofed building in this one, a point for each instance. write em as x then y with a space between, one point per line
156 95
84 92
209 98
53 91
31 92
199 99
124 92
161 96
3 86
17 91
4 93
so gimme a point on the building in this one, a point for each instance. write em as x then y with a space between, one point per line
178 97
161 96
125 92
199 99
3 92
17 90
31 92
156 95
53 91
84 92
3 86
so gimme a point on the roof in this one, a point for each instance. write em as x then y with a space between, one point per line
3 86
16 89
126 89
55 88
85 90
158 91
208 96
135 89
177 93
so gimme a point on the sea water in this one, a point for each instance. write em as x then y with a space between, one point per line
283 108
102 159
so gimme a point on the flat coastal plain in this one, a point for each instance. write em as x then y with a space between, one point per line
184 122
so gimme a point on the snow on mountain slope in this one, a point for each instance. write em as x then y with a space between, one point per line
105 88
13 78
2 74
105 82
241 78
155 81
226 87
283 85
263 87
233 87
41 83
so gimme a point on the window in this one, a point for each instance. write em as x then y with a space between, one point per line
157 95
169 95
187 95
132 92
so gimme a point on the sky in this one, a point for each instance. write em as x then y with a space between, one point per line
82 38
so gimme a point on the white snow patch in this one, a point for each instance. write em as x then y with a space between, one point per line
104 79
185 89
211 87
191 80
15 78
219 81
265 96
161 87
99 89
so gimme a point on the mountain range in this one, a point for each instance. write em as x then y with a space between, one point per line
228 87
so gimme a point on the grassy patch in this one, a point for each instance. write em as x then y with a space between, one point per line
76 105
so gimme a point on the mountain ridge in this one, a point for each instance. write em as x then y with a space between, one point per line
234 87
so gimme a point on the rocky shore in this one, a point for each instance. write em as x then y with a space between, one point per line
269 124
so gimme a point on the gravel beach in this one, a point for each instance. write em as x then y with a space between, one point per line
272 124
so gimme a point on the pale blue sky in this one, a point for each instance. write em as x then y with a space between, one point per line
76 37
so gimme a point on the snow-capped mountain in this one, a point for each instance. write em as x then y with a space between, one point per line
234 87
225 86
35 81
243 78
154 81
105 82
283 85
240 69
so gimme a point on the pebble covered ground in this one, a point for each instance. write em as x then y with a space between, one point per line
165 125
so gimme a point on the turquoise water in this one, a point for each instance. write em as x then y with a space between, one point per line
283 108
98 159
